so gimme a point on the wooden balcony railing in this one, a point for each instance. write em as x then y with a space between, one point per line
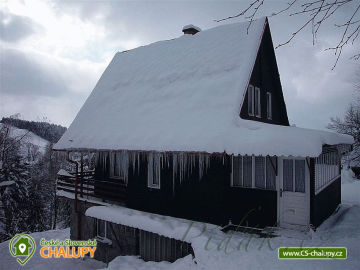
90 187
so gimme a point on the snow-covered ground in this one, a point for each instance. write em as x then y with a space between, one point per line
216 250
247 251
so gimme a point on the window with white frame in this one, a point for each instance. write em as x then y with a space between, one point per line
248 171
237 172
102 229
294 175
271 164
154 170
327 169
299 175
257 102
251 100
253 172
268 106
116 170
260 172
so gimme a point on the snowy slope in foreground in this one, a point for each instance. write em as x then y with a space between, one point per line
342 229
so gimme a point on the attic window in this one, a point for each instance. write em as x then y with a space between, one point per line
257 102
251 100
268 106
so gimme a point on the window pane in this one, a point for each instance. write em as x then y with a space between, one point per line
116 164
150 169
154 170
288 175
101 228
268 105
299 175
247 160
108 231
260 172
257 102
157 169
237 171
251 100
270 173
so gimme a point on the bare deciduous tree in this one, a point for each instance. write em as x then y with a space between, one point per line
315 13
350 125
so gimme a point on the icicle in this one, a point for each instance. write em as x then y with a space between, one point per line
105 154
207 162
154 167
161 161
201 165
132 160
97 157
175 164
124 164
111 159
138 160
150 167
157 165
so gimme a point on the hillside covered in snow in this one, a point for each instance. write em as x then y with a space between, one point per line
27 180
47 131
30 142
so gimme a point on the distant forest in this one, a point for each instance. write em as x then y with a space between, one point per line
47 131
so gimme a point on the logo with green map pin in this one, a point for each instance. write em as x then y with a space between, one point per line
22 246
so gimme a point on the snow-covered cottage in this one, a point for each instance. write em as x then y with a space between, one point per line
196 128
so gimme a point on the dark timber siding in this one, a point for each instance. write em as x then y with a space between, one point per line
266 76
154 247
209 200
323 204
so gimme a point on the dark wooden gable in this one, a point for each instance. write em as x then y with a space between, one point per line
265 75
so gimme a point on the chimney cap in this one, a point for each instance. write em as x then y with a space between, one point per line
191 29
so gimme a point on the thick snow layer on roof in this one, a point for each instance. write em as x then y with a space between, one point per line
176 228
185 94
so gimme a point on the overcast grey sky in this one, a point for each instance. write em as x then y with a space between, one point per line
53 53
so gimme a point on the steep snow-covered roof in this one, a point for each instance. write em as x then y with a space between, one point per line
185 94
